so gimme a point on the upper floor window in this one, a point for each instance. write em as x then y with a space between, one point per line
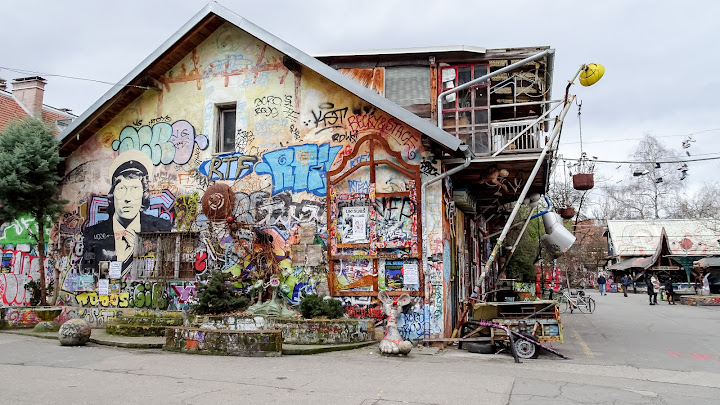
466 113
226 128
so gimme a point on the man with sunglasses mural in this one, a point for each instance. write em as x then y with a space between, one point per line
129 196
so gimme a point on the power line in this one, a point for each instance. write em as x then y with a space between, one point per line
653 162
638 139
25 72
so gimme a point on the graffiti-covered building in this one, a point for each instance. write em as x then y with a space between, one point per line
229 149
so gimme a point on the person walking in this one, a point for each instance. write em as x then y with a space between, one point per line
652 292
625 281
601 283
669 291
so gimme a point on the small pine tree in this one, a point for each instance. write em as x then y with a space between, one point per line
314 306
217 296
29 181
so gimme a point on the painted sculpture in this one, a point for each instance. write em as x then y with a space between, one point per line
392 342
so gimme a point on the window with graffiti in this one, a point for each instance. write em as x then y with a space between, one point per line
373 222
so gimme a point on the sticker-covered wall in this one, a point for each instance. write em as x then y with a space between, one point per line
231 152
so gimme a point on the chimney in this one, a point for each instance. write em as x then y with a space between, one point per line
3 84
29 91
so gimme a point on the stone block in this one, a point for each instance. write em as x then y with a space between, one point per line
75 332
259 343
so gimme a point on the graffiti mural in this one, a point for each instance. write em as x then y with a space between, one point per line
299 168
113 239
12 290
19 231
228 166
163 143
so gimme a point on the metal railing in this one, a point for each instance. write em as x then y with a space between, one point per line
503 132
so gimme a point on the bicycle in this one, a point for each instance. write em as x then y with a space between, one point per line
577 300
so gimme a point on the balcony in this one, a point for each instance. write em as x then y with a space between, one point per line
503 132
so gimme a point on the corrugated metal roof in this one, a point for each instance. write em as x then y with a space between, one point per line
405 51
438 135
685 236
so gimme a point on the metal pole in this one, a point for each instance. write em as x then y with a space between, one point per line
526 188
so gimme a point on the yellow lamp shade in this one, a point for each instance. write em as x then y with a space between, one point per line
591 74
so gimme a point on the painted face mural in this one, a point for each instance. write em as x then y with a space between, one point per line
114 238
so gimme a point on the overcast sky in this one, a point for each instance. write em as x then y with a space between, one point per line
661 57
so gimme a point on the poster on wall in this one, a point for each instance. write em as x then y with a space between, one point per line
6 263
410 273
103 286
115 269
85 282
115 287
104 269
353 225
394 274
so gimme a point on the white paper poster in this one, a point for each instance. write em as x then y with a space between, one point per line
410 273
115 269
358 228
353 226
103 286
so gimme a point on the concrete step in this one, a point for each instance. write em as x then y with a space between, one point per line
135 330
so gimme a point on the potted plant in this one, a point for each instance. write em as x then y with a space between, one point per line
584 179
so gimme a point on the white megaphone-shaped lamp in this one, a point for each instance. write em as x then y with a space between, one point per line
557 239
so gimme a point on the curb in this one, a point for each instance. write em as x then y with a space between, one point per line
296 350
127 345
29 333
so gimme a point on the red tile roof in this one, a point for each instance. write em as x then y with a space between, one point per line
10 109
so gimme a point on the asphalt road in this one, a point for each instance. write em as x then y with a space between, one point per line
629 331
619 355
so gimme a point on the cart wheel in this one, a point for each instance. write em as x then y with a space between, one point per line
525 349
482 348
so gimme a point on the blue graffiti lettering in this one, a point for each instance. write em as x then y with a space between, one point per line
299 168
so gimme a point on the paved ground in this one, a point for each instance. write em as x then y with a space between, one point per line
620 355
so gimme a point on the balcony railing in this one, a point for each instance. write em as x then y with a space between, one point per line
503 132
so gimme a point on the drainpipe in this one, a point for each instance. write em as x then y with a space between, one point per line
526 188
482 79
468 158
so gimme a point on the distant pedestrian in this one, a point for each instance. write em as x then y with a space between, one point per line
601 283
669 291
652 292
625 281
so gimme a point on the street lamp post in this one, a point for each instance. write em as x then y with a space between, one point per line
589 74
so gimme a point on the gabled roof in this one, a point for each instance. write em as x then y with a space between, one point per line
197 29
699 237
12 109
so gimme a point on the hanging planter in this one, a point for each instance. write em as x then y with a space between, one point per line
567 212
583 181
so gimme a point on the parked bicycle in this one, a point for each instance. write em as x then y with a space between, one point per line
576 300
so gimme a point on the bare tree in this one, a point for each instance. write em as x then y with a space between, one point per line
652 191
657 185
701 205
